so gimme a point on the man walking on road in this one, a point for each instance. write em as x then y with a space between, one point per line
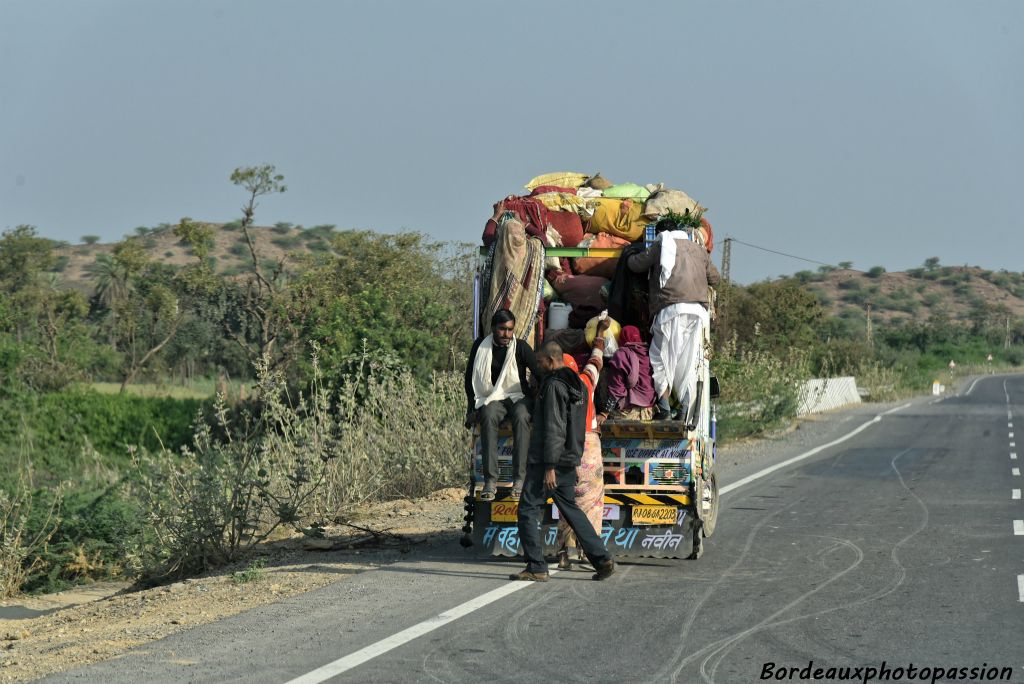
556 447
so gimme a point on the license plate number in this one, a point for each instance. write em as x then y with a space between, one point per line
611 512
654 515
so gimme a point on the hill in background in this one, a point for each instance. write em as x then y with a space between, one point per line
961 293
228 255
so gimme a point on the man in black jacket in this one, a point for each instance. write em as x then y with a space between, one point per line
497 388
556 446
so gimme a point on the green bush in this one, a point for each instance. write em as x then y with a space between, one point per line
58 425
876 272
97 536
760 391
287 243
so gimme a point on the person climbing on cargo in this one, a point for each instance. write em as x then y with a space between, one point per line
590 473
629 382
680 272
497 387
556 448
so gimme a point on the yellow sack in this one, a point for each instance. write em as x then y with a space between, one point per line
560 201
563 179
622 218
611 334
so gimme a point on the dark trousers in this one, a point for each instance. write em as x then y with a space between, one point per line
491 415
531 514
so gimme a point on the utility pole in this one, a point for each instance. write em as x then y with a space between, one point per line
869 331
1006 338
726 258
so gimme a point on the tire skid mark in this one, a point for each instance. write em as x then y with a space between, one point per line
769 622
512 630
724 646
681 649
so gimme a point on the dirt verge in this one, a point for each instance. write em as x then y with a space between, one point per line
56 632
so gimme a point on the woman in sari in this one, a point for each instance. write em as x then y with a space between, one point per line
590 473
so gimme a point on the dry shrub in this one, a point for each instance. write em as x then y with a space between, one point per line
244 477
400 438
21 541
760 389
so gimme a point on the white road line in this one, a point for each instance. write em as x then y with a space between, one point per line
807 454
337 667
1011 435
1015 494
1015 472
1009 425
1013 444
971 388
1018 527
392 642
1020 587
1013 455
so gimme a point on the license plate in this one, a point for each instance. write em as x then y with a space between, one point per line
611 512
504 512
654 515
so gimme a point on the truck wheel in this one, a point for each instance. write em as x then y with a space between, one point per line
707 503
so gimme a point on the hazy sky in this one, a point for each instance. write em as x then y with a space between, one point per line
876 132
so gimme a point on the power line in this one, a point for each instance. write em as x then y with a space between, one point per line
791 256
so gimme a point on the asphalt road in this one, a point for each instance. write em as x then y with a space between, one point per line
896 546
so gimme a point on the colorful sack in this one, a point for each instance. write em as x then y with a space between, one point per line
568 225
560 201
563 179
665 201
542 189
598 182
603 267
581 291
707 236
628 191
622 218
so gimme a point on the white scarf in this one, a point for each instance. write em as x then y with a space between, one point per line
668 253
507 386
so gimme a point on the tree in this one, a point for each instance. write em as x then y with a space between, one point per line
90 239
846 265
931 263
402 293
263 295
43 321
146 322
139 307
111 280
876 271
23 255
776 316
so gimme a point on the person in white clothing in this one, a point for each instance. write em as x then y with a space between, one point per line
680 273
497 388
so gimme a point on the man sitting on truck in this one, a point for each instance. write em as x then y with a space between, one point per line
680 272
496 388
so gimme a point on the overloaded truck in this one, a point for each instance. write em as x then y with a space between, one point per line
661 490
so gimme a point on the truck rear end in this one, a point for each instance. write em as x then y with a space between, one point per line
660 488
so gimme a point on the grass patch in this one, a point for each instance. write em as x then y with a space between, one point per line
254 573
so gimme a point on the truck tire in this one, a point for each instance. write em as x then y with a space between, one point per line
706 502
